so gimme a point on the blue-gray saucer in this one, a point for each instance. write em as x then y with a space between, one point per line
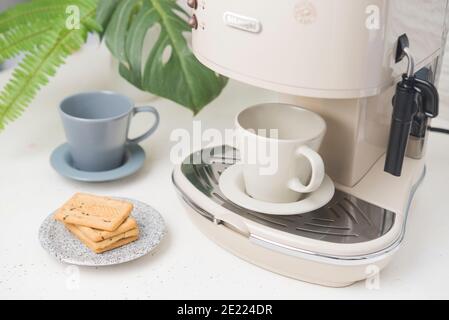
61 161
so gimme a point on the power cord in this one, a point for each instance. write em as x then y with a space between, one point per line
439 130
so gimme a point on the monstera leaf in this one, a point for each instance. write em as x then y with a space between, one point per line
170 70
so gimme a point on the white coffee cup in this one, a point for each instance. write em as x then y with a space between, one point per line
278 146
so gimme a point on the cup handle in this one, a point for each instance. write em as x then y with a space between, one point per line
317 171
152 129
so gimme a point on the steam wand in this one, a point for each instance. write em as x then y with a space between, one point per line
413 96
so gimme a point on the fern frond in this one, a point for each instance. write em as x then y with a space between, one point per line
39 12
39 64
23 38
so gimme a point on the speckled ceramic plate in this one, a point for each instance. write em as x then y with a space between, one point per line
65 247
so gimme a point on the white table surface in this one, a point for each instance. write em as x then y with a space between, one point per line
187 265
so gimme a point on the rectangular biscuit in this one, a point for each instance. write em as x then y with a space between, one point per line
119 244
105 245
96 235
94 211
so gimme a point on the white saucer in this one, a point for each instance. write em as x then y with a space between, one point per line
233 187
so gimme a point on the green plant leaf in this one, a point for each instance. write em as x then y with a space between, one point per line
170 70
38 12
45 50
105 11
22 39
116 32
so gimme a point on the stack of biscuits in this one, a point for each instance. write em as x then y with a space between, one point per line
101 223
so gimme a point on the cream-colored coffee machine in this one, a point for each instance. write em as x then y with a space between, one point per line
342 59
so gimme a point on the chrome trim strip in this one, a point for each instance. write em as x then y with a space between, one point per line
335 259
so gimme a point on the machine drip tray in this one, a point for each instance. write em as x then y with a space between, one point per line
345 219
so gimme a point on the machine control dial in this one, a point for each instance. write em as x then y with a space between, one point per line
192 4
193 22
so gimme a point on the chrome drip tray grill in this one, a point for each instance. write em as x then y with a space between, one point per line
345 219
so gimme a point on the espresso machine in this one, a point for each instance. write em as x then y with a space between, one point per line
369 68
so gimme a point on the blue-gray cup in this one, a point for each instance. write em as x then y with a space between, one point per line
96 125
